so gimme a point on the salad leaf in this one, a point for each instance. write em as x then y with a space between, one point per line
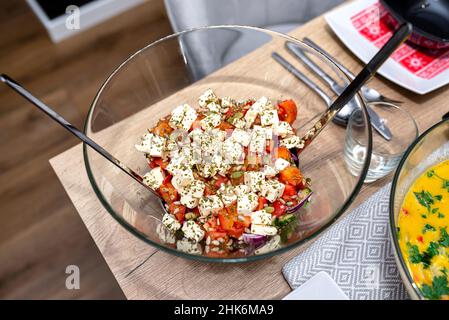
287 225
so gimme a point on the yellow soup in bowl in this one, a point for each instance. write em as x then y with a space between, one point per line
423 231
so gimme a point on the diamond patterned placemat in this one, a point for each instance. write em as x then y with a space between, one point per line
356 252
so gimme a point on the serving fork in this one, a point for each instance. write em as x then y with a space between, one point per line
343 115
371 96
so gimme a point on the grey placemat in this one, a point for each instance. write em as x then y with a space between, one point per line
356 252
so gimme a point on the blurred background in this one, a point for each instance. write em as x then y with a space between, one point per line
40 230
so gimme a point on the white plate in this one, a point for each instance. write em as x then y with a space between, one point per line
340 22
320 287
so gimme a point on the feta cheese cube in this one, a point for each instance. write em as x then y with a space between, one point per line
208 170
170 222
228 199
189 247
211 121
152 144
261 217
182 117
192 231
283 129
233 152
239 123
208 204
291 141
182 178
269 117
207 97
227 102
177 163
241 190
258 140
254 180
241 136
255 110
247 203
222 168
214 107
154 178
280 164
195 189
269 133
218 135
164 235
269 171
177 115
189 201
272 190
263 230
189 117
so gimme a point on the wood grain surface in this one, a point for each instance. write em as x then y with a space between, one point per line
40 232
146 273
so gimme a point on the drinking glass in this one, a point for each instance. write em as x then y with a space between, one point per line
386 153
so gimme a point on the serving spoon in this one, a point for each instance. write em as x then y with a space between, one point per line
75 131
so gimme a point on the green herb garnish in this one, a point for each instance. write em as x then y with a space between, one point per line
439 288
428 227
444 239
425 199
425 258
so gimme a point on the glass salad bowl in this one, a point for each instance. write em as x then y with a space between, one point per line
234 61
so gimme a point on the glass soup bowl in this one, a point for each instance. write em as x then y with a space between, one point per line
429 149
233 61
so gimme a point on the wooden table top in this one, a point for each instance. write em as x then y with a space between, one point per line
146 273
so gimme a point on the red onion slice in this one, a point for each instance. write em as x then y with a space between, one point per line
255 240
302 202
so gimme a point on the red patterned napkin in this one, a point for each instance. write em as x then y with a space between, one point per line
375 23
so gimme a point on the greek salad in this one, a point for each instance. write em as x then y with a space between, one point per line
228 175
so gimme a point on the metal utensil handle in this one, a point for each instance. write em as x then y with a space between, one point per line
345 70
295 50
75 131
298 74
367 72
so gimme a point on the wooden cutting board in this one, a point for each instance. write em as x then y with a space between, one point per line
146 273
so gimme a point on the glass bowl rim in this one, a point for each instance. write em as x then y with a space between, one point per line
203 258
392 224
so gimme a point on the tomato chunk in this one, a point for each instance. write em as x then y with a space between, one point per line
284 153
289 191
158 162
163 129
220 180
226 220
291 175
262 202
287 111
236 232
168 192
245 223
279 208
178 210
